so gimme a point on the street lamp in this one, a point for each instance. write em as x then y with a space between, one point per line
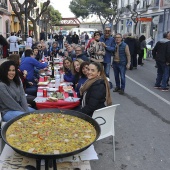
26 18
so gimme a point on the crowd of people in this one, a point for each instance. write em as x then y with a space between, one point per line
86 63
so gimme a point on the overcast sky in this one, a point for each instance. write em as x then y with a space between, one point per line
63 7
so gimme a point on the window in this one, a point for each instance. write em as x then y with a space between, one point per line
143 28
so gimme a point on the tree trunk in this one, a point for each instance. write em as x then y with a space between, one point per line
22 25
135 30
35 30
103 24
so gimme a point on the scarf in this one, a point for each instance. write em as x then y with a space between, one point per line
89 82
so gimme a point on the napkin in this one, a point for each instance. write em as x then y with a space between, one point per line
40 99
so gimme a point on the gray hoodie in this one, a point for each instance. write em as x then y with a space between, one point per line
12 98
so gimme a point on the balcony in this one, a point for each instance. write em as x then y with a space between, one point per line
3 5
4 8
143 6
154 4
123 11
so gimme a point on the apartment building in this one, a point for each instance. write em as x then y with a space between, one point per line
4 18
144 17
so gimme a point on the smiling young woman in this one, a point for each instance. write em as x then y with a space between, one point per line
95 92
12 96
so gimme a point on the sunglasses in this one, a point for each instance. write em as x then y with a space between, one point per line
40 46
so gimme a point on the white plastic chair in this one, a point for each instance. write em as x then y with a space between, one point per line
105 118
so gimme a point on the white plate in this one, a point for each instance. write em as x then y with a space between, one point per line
63 84
71 99
40 99
52 89
44 83
52 81
43 74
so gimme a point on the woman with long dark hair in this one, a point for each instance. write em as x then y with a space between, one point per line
12 96
82 76
22 75
67 67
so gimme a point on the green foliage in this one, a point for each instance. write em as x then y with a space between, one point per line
79 8
55 15
104 8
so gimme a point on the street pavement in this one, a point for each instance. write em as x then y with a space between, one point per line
142 125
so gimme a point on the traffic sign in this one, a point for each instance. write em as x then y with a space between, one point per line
129 23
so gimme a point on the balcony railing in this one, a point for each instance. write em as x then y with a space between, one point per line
3 5
154 4
143 6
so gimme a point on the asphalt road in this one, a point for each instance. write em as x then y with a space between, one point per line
142 125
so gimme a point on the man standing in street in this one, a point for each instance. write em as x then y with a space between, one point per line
42 35
75 38
133 48
109 43
60 40
69 38
161 53
121 62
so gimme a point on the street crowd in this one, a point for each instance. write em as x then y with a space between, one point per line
86 63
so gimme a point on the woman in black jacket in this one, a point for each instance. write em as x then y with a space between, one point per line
95 91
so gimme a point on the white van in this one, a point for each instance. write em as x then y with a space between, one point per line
89 31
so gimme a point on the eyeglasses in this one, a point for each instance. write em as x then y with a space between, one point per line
118 37
77 50
40 46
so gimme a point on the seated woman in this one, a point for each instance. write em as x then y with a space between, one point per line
76 67
12 96
22 75
82 76
95 91
68 76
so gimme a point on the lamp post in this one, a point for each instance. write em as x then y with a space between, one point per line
26 18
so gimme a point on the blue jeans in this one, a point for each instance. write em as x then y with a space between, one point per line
119 72
60 43
12 114
107 69
162 74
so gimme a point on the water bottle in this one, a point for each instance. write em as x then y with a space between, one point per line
57 72
57 80
62 78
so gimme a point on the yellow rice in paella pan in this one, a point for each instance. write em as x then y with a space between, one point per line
50 133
